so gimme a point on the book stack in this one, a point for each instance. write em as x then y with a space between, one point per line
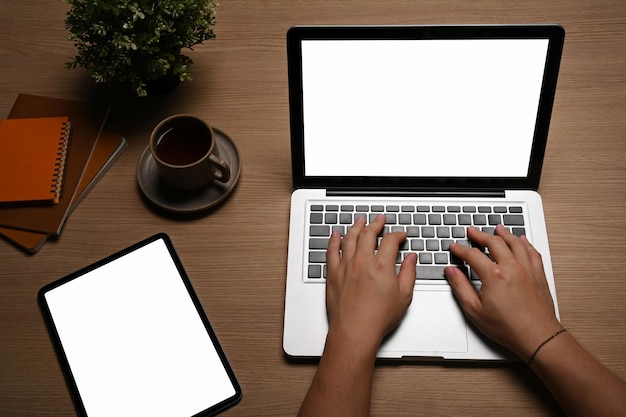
52 153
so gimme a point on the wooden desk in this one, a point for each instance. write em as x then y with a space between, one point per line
236 256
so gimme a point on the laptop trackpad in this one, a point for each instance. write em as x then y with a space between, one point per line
434 323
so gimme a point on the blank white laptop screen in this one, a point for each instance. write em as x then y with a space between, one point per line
134 340
395 108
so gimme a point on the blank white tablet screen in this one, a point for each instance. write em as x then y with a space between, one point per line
134 340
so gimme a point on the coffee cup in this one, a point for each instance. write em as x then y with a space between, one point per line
186 154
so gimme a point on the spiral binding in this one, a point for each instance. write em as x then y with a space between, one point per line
59 166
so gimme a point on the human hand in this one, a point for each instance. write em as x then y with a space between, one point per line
365 297
514 306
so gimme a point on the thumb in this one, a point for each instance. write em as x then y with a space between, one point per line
462 289
406 276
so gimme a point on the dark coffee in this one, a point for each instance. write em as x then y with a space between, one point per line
182 142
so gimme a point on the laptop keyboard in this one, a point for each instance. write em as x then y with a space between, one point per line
430 231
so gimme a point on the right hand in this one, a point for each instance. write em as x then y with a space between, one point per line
513 307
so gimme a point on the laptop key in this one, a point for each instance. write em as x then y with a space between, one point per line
494 219
345 218
404 219
317 257
428 231
513 220
340 229
465 219
449 219
434 219
317 243
413 231
480 220
419 219
319 230
429 272
330 218
315 271
316 218
441 258
519 231
458 232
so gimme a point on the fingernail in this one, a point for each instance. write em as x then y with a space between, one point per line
448 271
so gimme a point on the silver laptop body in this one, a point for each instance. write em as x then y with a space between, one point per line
433 126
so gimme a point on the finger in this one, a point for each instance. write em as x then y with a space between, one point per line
368 238
498 248
351 238
389 245
406 277
516 246
333 254
475 258
463 290
535 257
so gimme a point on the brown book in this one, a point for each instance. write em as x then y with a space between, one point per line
109 148
32 159
87 122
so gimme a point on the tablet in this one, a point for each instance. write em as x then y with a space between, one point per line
133 339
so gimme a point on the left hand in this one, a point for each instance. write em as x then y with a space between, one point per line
365 297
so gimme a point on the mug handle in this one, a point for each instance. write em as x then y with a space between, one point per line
224 171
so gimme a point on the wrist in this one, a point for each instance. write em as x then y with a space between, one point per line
542 344
533 342
358 343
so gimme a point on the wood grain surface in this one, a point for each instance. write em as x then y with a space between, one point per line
236 255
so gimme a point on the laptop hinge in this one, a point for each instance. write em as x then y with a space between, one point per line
416 193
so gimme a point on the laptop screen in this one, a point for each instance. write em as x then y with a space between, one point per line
465 105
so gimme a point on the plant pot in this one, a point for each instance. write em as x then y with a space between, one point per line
162 85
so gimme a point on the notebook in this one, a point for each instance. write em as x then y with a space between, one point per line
87 122
133 340
32 160
108 149
436 127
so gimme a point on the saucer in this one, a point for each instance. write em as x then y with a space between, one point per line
174 200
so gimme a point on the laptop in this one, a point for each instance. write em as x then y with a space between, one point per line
436 127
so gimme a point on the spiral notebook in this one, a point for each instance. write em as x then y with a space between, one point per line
32 160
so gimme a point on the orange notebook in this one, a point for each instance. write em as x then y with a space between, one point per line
32 159
107 150
87 122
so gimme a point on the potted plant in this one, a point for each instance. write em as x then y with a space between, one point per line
138 41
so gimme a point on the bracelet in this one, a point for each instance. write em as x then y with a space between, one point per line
543 343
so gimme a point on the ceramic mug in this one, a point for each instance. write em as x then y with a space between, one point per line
186 154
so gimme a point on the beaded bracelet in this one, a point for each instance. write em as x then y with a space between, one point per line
543 343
